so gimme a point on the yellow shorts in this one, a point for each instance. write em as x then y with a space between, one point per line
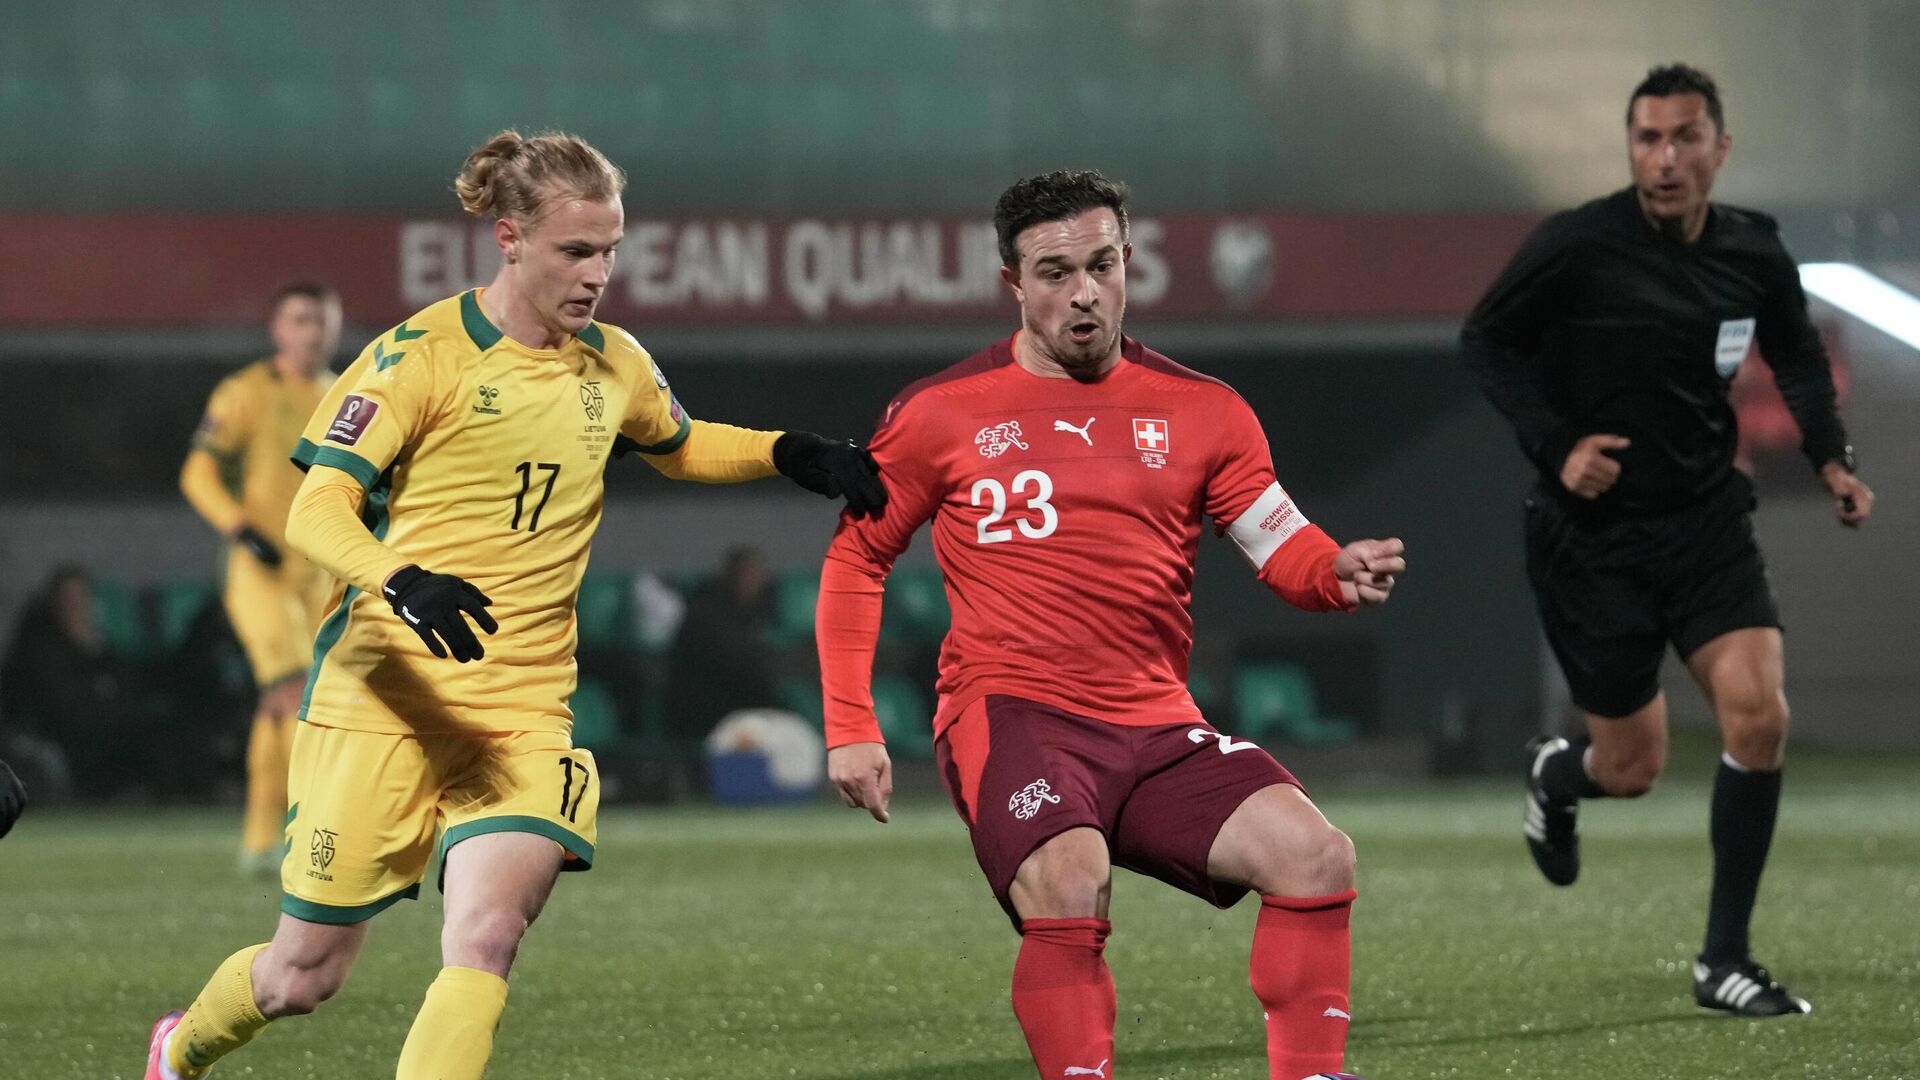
366 806
274 613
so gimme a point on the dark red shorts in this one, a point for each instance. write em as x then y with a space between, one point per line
1021 772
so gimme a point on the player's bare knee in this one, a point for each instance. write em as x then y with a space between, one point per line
1062 892
1755 730
486 940
1062 881
298 988
1627 776
1758 715
1331 864
1319 864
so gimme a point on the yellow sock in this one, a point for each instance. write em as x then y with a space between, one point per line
268 746
452 1038
221 1020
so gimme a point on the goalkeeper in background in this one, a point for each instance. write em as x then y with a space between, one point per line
239 479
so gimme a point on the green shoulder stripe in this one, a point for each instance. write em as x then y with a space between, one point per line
306 455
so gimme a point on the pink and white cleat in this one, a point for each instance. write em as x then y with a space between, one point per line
157 1067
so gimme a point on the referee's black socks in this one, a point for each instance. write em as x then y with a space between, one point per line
1745 804
1564 777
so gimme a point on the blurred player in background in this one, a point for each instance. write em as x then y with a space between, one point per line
457 466
1068 471
238 477
1609 343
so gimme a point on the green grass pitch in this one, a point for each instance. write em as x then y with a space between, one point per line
812 944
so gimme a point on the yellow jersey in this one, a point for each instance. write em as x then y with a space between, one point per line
252 422
481 458
238 474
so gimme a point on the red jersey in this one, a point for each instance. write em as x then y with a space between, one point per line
1066 516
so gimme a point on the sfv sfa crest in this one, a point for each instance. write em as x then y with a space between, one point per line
1028 800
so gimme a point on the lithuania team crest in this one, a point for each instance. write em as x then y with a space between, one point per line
321 853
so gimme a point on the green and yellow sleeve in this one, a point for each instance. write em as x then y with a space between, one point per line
217 446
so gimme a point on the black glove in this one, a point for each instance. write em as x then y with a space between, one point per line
432 604
833 469
13 798
258 546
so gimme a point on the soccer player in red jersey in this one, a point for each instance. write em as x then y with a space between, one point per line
1067 471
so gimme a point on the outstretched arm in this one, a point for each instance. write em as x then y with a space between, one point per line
1292 556
713 453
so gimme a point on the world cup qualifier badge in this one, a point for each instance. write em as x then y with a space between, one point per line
351 421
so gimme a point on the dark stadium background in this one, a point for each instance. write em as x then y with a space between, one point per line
1325 187
1322 187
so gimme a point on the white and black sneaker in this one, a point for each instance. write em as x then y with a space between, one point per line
1744 988
1553 836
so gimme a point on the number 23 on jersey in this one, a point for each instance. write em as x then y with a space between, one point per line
1037 519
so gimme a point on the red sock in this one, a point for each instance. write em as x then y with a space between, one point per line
1063 995
1301 967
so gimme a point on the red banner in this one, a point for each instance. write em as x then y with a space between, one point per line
78 271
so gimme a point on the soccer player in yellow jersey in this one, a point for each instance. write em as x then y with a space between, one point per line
454 474
238 477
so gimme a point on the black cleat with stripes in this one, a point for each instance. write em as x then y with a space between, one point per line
1744 988
1550 826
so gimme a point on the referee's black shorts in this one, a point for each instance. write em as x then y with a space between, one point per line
1612 595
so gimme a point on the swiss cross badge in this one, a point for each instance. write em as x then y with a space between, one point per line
1152 438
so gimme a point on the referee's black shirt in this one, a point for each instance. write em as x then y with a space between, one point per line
1600 324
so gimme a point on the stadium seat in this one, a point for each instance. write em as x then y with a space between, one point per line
117 608
916 606
596 719
604 611
905 720
176 605
1276 700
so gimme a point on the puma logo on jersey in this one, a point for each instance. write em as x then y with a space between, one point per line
1062 425
998 439
1099 1070
1028 800
1337 1014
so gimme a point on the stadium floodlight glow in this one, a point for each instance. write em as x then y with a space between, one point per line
1866 296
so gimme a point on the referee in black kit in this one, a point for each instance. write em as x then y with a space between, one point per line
1609 342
